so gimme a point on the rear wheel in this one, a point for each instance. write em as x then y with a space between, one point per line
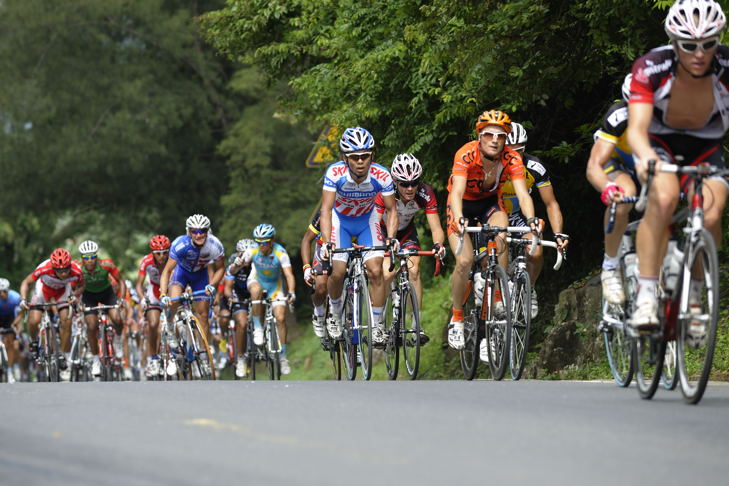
410 330
521 314
392 351
365 322
469 353
498 326
203 358
669 377
698 317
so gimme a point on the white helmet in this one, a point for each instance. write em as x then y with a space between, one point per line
694 19
518 134
244 244
264 231
406 167
4 284
626 86
88 247
197 221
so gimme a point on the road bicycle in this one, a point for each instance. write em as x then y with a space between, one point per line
170 361
357 319
688 296
402 317
48 358
111 359
481 318
520 290
270 350
4 361
197 360
80 363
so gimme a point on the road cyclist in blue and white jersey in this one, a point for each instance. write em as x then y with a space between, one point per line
10 317
237 295
196 260
348 211
270 260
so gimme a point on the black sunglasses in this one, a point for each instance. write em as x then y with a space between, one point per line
408 183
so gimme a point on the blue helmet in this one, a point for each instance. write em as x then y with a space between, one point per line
356 139
264 231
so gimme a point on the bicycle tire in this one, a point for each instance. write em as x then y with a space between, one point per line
694 379
521 317
364 307
669 376
410 331
498 333
618 346
472 334
54 372
649 352
252 352
273 361
392 351
335 354
203 356
349 346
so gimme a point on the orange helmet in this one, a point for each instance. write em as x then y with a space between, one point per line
60 258
159 242
494 117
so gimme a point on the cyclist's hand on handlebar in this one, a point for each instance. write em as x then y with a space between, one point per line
563 241
165 300
290 298
440 250
308 277
24 304
611 193
457 225
534 224
394 244
210 290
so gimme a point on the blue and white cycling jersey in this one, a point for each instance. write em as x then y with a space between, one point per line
354 200
10 307
192 258
267 268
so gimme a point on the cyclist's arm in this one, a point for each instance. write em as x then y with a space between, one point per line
391 208
327 203
228 288
27 281
458 189
305 249
218 269
639 120
436 230
525 200
138 286
290 279
599 157
164 279
554 212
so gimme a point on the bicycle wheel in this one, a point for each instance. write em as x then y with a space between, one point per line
335 355
521 316
471 334
203 358
251 356
410 330
135 358
698 316
498 327
349 338
364 326
648 354
669 377
273 361
392 351
618 345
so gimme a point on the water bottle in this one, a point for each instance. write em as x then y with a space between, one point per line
479 283
672 265
630 260
395 304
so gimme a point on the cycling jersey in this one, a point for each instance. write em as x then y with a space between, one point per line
149 268
424 199
653 78
536 174
467 163
98 281
266 270
356 199
315 227
240 278
193 258
614 131
9 308
48 287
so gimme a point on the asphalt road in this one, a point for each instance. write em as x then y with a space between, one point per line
320 433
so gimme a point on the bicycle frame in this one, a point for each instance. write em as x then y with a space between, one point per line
184 319
110 364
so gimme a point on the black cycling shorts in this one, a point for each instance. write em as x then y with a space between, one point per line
92 299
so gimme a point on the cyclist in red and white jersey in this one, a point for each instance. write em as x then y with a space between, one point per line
53 280
151 266
679 105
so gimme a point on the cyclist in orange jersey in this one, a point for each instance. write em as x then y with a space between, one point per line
480 169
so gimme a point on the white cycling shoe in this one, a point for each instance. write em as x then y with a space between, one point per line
456 339
319 327
240 367
645 316
258 336
334 326
171 368
612 286
152 368
696 335
95 365
285 366
483 352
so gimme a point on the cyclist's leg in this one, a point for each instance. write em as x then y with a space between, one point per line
500 218
152 315
240 315
279 313
622 213
92 324
370 234
341 238
65 329
408 238
256 291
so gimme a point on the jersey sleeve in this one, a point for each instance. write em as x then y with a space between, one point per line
143 266
379 203
331 176
315 225
538 171
641 88
462 161
614 123
110 267
284 259
430 202
514 166
177 247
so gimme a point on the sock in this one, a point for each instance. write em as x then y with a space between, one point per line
377 314
646 289
319 310
283 351
257 322
335 305
610 263
457 315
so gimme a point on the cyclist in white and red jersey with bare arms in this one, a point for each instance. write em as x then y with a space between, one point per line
151 266
53 280
679 105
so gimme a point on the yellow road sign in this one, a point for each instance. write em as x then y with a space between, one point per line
325 150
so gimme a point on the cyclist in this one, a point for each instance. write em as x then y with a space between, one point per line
347 211
679 105
270 259
193 258
314 275
98 275
611 171
151 266
53 280
411 196
10 318
480 169
535 174
237 295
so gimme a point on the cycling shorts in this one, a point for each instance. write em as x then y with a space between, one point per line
478 211
317 265
239 303
196 280
152 297
365 228
407 237
46 295
6 321
273 289
92 299
694 150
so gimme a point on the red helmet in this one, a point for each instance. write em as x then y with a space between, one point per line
60 258
159 242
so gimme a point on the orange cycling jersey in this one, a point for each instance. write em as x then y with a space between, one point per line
467 163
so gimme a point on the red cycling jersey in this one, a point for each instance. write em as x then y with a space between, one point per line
47 275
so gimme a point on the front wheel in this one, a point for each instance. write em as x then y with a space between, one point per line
521 314
364 322
648 354
471 335
498 321
273 361
698 316
392 327
410 330
349 336
669 377
618 345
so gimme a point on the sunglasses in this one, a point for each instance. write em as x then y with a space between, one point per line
263 242
63 270
363 156
88 257
408 183
199 231
691 46
161 252
492 135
